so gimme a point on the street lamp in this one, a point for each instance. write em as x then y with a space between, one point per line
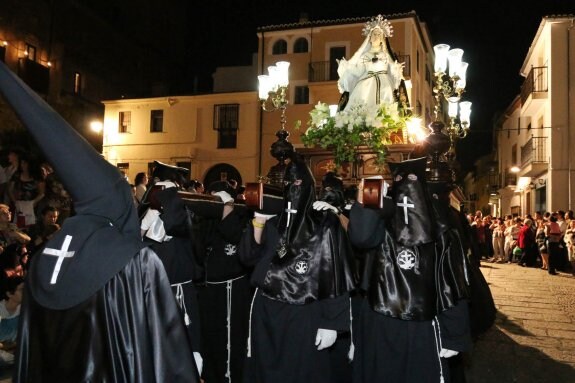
273 96
96 126
449 85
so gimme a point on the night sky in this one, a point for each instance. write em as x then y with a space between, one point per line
495 36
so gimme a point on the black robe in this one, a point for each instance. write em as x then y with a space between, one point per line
225 294
179 260
130 330
418 285
290 307
402 324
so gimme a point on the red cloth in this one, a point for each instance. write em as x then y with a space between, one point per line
526 237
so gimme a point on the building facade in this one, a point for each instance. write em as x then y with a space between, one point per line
196 125
535 138
75 53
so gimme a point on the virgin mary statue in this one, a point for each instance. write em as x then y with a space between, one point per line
372 74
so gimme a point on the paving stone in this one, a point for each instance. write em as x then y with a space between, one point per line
533 339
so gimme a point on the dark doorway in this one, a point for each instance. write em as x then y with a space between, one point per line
221 172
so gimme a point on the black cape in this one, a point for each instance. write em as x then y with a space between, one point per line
130 330
281 347
303 268
417 286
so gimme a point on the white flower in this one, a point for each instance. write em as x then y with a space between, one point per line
319 114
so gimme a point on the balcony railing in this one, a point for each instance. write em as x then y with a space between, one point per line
323 71
536 81
508 179
534 151
36 75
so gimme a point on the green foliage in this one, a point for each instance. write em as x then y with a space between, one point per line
360 126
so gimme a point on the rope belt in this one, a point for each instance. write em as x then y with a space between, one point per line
180 300
229 284
438 346
250 325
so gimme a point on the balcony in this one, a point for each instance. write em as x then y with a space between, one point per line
493 185
323 70
534 159
508 180
534 90
36 75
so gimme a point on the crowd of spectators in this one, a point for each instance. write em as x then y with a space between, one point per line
33 204
544 240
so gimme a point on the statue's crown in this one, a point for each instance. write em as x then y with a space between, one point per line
378 22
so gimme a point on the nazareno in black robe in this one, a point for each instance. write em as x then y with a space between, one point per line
417 290
179 259
97 304
299 291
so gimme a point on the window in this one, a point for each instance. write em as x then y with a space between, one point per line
226 121
301 95
157 121
77 83
280 47
125 122
518 125
300 45
514 154
124 168
417 61
335 54
31 52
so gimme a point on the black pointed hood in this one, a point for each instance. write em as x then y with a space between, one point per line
412 219
299 191
104 234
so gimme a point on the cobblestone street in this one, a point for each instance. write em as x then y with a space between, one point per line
534 336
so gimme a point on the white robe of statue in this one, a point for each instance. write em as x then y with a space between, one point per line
371 75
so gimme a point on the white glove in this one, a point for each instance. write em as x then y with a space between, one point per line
325 338
225 197
199 362
322 205
445 353
264 216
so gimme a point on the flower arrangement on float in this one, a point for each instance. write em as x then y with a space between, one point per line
357 126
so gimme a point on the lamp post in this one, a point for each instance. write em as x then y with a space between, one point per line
449 85
273 96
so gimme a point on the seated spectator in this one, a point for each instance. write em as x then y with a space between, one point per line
11 294
26 189
57 196
44 229
9 232
13 261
